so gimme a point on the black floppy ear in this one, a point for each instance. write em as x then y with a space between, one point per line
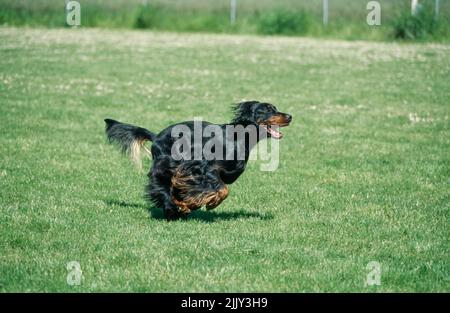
244 111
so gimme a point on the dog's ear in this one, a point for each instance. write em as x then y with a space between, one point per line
244 111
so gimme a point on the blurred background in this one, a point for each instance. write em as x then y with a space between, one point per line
346 20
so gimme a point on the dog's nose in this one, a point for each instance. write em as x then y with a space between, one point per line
288 118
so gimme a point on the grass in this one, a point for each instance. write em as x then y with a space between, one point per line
347 18
363 175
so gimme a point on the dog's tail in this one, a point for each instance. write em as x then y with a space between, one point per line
131 139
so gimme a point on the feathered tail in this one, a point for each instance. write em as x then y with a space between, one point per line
131 139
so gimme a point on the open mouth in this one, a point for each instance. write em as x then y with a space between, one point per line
273 130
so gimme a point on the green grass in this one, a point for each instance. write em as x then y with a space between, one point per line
363 176
347 18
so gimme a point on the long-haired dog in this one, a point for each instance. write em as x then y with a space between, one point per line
180 184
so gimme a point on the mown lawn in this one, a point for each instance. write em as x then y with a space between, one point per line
364 169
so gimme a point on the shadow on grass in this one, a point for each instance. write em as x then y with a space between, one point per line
213 216
201 215
124 204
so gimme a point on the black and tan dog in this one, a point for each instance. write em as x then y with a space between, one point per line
179 185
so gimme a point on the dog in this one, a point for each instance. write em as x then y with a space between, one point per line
180 184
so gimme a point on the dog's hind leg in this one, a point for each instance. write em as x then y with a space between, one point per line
158 190
160 196
195 184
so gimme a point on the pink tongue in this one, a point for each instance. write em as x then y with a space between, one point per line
274 133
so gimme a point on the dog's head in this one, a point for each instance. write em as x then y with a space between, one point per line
264 115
